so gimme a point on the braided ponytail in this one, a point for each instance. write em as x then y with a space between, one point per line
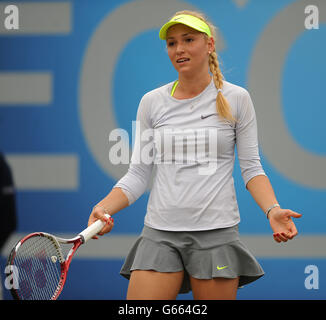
222 106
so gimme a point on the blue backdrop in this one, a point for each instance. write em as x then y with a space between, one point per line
100 65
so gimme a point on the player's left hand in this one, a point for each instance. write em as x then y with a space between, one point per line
282 225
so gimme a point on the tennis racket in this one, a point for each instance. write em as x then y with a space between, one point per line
37 266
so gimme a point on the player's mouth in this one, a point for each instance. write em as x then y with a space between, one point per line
182 60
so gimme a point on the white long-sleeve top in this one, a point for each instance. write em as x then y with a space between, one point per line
193 150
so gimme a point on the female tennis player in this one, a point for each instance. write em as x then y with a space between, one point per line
190 239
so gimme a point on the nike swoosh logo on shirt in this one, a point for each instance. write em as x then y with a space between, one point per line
221 268
208 115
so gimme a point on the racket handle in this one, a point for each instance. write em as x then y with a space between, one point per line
93 229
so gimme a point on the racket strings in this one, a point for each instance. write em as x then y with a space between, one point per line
38 268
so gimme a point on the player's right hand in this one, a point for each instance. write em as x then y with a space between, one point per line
98 213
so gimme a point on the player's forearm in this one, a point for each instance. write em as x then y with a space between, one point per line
115 201
262 191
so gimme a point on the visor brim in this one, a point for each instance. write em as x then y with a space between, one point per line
164 29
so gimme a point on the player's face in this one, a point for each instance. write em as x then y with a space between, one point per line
187 49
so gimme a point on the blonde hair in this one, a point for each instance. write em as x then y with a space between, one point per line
222 106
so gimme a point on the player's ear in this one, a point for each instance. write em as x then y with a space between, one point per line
211 44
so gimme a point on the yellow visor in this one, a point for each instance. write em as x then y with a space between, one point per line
188 20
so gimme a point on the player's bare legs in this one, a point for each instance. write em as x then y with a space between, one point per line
214 289
153 285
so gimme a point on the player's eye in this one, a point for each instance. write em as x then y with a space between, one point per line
170 43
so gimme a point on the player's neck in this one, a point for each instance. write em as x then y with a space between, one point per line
191 86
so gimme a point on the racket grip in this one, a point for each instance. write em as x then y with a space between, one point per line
93 229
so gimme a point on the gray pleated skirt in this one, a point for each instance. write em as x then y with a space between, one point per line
200 254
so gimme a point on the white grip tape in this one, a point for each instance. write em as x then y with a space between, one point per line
93 229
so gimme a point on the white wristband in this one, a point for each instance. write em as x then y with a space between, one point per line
270 208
